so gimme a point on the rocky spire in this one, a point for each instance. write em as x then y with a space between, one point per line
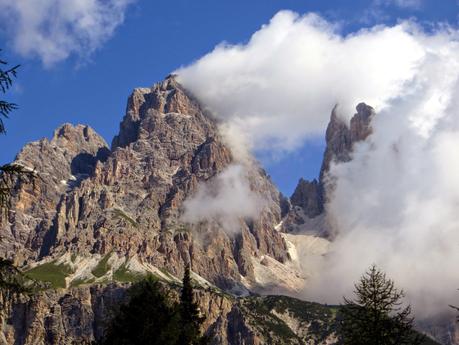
307 195
340 138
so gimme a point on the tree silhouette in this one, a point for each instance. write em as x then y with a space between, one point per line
191 320
12 284
8 171
6 81
376 316
148 318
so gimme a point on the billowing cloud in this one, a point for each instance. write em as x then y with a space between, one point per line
396 204
227 198
280 87
52 30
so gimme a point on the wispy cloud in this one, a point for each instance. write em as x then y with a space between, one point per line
379 10
53 30
226 199
407 3
413 4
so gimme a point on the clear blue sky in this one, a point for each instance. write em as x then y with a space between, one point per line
160 36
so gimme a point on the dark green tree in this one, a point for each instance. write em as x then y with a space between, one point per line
13 283
7 74
190 317
148 318
8 171
151 317
377 316
12 280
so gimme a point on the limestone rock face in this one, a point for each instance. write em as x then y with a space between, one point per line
78 316
341 137
61 164
307 195
89 200
309 198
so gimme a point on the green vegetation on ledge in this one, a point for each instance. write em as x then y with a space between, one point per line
124 275
102 267
50 272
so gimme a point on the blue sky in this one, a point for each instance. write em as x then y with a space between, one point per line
158 37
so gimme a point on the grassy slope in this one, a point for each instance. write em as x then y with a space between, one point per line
319 319
50 272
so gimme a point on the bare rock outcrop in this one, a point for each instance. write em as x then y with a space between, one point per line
60 164
89 200
79 316
309 198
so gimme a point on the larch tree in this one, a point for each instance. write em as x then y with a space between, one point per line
377 316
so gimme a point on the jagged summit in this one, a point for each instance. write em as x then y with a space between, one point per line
75 132
166 97
309 198
97 215
307 195
341 136
128 202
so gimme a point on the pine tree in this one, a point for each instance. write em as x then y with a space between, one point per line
191 319
6 81
376 316
148 318
13 283
8 171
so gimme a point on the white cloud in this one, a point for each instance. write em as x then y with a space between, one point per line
280 87
55 29
227 198
396 203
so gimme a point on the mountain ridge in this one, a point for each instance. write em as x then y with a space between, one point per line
98 215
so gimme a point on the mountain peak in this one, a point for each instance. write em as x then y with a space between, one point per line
76 133
145 104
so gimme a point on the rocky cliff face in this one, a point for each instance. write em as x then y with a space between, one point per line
96 218
309 198
77 316
61 164
126 203
340 137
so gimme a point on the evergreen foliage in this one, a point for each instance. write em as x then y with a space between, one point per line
7 171
6 81
190 316
376 316
12 279
13 283
149 318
